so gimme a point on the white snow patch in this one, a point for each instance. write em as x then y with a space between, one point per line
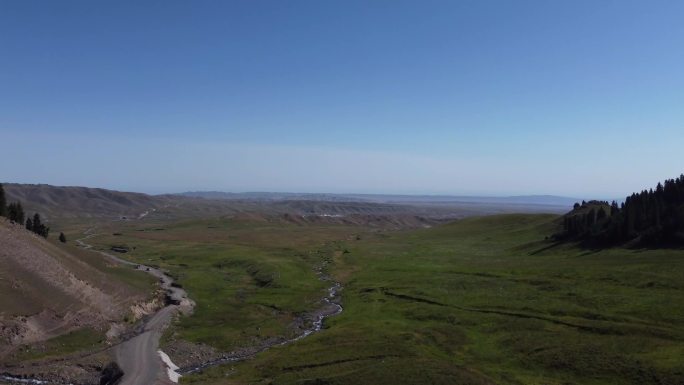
170 366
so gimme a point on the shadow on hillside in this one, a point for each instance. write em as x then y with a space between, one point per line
545 248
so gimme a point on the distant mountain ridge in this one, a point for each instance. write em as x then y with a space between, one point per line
79 202
386 198
270 196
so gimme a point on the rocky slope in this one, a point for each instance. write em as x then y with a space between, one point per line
46 291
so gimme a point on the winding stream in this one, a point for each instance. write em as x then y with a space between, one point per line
331 307
140 369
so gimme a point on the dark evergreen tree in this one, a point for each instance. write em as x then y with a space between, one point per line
650 217
38 227
15 212
37 224
602 214
591 218
614 209
29 224
3 202
62 238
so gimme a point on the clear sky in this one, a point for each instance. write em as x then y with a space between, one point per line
576 98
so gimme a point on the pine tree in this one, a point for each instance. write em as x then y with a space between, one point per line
614 209
15 212
653 216
37 225
62 238
3 202
601 214
29 224
591 218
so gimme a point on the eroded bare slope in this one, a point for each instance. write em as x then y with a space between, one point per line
46 290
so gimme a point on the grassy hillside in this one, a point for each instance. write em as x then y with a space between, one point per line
487 300
51 290
59 201
61 204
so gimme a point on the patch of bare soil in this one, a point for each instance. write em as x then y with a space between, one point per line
48 292
66 300
72 370
188 354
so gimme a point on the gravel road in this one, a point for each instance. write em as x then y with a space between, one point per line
138 357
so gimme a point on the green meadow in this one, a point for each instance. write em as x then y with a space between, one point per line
249 279
479 301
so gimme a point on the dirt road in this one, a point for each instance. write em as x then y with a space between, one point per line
138 357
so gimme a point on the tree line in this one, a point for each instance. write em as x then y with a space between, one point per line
15 213
653 217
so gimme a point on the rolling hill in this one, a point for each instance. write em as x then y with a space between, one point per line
57 202
87 297
70 201
555 202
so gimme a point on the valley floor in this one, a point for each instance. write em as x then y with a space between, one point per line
480 301
483 300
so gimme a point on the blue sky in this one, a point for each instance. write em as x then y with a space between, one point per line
578 98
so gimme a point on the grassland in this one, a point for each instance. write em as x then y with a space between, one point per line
479 301
250 279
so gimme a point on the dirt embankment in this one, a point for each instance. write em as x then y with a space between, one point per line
46 291
47 296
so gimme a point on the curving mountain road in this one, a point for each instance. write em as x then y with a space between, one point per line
138 357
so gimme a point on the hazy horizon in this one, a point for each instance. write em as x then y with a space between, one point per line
485 98
333 193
